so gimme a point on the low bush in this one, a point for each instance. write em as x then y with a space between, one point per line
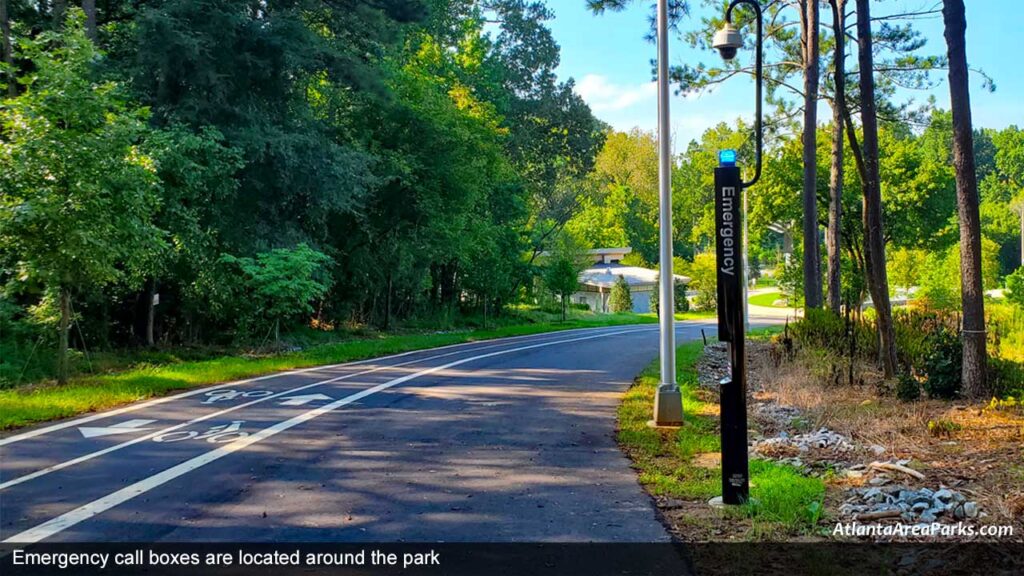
826 330
943 428
928 346
942 366
908 388
682 303
1005 377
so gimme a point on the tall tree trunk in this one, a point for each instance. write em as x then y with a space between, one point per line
973 301
387 304
812 254
150 312
5 47
835 207
62 338
89 7
874 241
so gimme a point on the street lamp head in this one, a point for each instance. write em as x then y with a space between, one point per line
727 41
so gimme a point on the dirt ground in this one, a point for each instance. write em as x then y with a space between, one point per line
802 410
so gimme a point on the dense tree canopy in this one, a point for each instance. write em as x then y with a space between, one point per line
165 170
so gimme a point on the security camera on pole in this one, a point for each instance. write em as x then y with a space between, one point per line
731 275
668 401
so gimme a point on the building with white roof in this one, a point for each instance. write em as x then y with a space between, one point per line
596 281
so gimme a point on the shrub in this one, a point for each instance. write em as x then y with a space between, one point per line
281 285
620 299
704 279
908 388
827 330
943 428
943 364
682 304
820 329
1015 287
1005 377
679 296
915 331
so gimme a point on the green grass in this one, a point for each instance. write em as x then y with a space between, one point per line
88 393
766 299
781 498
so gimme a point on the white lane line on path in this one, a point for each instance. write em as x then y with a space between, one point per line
132 407
86 457
87 511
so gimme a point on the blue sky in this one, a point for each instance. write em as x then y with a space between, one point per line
609 59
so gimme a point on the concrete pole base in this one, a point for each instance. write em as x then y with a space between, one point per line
668 406
720 504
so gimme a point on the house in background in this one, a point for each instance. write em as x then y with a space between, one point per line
596 281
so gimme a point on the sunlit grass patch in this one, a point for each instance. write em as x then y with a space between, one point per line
669 465
19 407
766 299
779 493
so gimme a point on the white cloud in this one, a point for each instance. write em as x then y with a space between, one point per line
605 96
627 106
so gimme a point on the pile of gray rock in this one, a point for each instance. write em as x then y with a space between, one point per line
921 505
777 414
823 439
713 365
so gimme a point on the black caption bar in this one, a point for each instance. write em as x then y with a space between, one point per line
287 559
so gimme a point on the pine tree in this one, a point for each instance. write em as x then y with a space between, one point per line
620 300
974 353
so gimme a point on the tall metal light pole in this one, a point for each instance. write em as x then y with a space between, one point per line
730 253
668 402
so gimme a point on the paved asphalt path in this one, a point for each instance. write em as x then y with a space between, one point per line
496 441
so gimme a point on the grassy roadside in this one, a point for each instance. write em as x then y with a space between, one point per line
685 464
20 407
766 299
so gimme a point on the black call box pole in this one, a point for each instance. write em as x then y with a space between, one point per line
729 245
731 328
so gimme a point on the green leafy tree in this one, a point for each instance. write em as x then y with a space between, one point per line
1015 287
906 266
1002 195
623 209
566 260
703 274
682 304
282 284
78 193
196 172
681 301
620 300
940 281
791 279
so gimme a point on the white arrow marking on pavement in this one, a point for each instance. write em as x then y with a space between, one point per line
141 405
129 426
86 511
300 400
499 343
